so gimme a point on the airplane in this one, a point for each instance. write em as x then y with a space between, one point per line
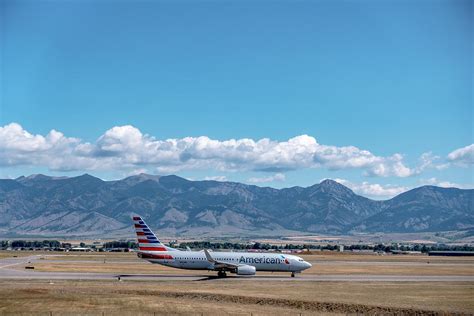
240 263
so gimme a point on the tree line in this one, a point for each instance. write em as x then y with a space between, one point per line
32 244
121 245
54 244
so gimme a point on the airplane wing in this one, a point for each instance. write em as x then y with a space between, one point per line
219 265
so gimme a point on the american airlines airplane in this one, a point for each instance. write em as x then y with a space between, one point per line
241 263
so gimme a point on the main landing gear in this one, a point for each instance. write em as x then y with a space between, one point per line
221 274
292 274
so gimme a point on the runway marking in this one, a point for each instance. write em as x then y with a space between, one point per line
13 264
22 261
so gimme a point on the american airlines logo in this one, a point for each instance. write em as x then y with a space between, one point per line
263 260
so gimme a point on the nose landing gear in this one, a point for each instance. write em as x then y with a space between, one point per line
292 274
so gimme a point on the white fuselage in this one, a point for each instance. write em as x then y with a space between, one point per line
196 260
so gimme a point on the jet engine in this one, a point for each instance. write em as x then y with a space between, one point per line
245 270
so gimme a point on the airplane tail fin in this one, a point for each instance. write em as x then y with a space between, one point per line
147 240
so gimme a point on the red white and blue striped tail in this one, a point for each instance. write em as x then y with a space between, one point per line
147 240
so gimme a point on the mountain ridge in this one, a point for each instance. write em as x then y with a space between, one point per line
86 205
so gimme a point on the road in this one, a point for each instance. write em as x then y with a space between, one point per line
8 271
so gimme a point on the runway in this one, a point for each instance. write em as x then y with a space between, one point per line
8 271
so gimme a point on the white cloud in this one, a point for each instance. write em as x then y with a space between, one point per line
135 172
127 148
277 177
380 191
444 184
463 156
374 190
19 147
429 160
216 178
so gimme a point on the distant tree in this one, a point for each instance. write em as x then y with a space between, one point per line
379 247
18 243
121 244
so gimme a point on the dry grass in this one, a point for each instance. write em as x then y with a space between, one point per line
91 256
59 255
233 297
13 254
371 257
448 269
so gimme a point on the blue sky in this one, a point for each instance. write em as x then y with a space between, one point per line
387 77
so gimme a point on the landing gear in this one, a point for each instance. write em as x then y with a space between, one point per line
292 274
221 274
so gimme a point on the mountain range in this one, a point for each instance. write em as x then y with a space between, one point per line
40 205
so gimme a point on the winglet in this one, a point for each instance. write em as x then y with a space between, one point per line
208 256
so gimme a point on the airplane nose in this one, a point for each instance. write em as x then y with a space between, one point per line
307 265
